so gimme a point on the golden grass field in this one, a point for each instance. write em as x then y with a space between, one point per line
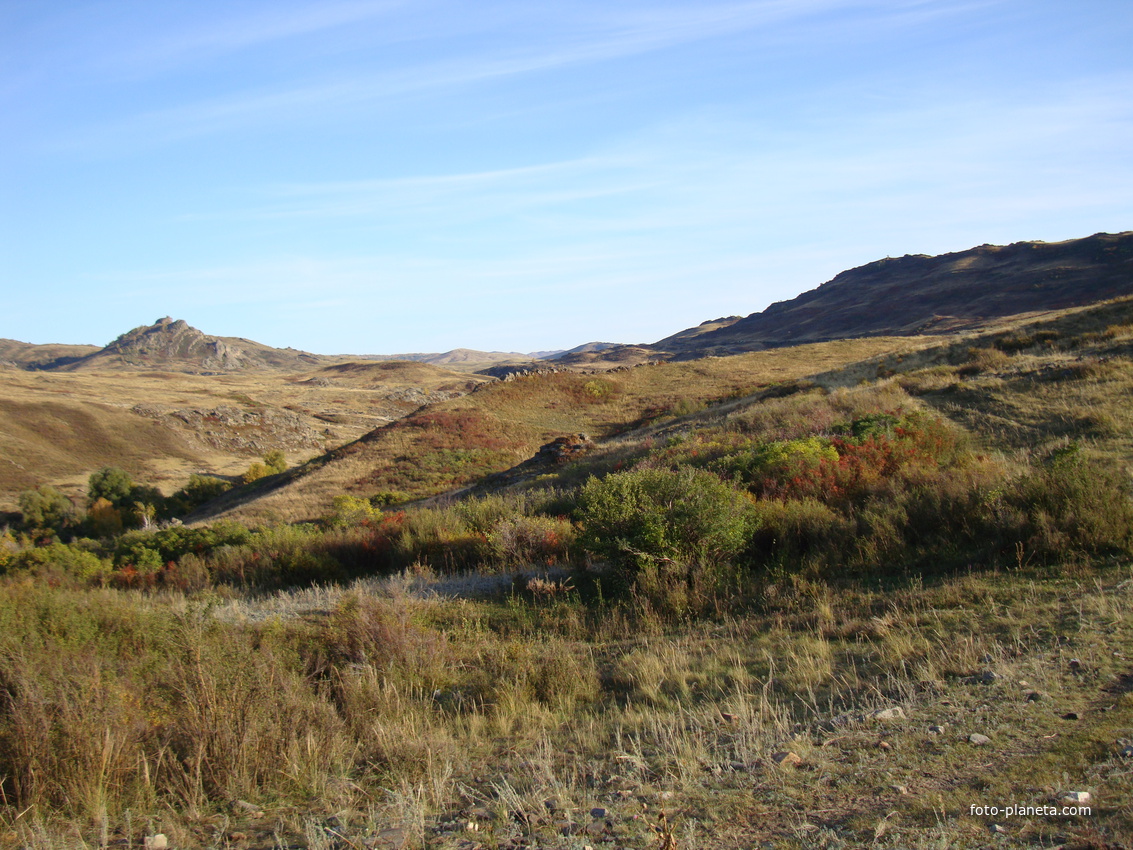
516 706
58 428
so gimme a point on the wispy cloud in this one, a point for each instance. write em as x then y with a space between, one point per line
584 38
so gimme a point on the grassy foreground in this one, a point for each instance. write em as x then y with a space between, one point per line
377 717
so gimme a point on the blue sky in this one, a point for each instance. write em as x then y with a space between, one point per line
376 176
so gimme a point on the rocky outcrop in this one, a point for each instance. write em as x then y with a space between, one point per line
239 431
175 346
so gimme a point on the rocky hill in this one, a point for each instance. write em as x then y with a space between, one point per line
175 346
917 294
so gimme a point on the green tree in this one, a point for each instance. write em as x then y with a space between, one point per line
275 461
46 507
111 483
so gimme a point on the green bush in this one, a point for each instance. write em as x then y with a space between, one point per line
60 561
647 516
200 489
1076 504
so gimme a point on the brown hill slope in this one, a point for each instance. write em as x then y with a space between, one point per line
56 427
26 355
454 443
918 294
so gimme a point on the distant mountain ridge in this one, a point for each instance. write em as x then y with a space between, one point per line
918 294
909 295
915 294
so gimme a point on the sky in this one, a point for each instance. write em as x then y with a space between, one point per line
377 176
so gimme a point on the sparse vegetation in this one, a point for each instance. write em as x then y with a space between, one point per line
700 628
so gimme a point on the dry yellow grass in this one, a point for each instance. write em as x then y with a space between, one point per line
57 428
512 419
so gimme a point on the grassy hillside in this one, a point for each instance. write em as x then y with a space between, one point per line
867 593
25 355
58 428
454 443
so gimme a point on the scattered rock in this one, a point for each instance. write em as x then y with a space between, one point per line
936 729
1077 797
894 713
786 758
1126 753
563 449
1035 696
884 745
157 842
728 717
394 838
900 789
1070 715
978 740
987 677
996 829
597 813
1075 664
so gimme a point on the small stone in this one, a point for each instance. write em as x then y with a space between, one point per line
900 789
894 713
1035 696
394 839
728 717
884 745
786 758
737 767
978 740
157 842
1023 683
996 829
1075 664
1077 797
1126 753
1070 715
988 676
936 729
597 813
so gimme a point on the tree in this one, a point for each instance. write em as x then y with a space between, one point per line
45 507
275 461
111 483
